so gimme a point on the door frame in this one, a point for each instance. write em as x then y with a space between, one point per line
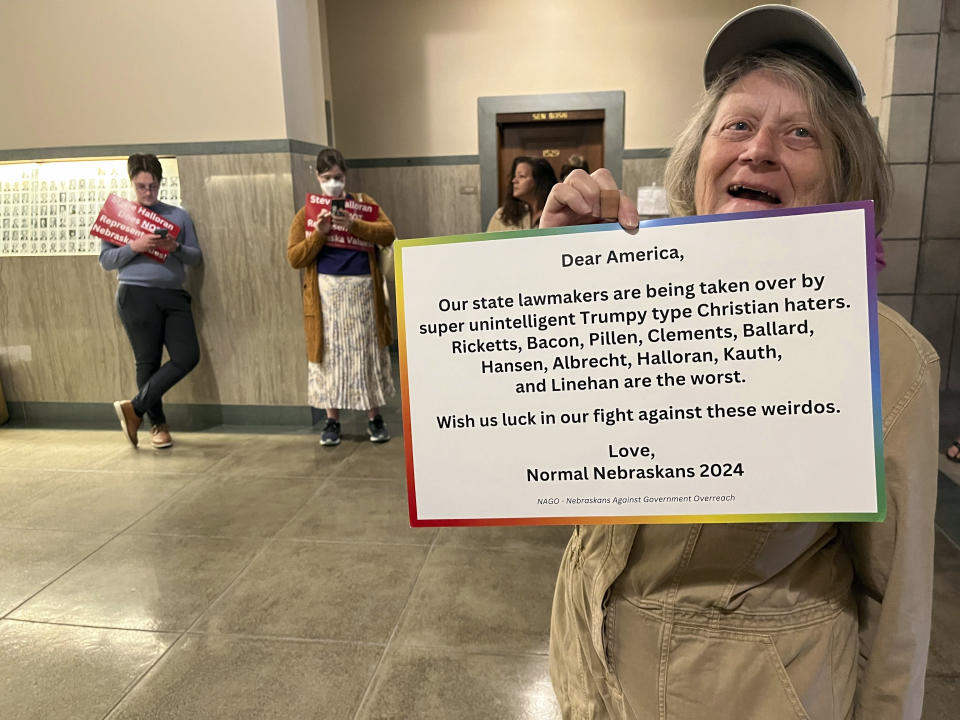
611 102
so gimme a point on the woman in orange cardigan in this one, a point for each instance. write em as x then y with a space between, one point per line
344 311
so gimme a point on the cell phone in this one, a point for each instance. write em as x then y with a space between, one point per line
162 232
338 206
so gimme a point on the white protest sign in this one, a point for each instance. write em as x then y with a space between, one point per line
699 370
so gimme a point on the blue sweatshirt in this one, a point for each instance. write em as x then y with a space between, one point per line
138 269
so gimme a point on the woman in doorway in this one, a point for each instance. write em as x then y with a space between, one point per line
344 310
530 183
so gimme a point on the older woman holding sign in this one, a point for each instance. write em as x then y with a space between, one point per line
344 310
801 620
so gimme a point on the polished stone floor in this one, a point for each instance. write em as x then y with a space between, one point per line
248 575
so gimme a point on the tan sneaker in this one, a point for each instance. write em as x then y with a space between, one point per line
160 436
129 420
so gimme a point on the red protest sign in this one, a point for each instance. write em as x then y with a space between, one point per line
337 237
120 221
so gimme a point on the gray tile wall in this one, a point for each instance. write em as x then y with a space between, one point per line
920 120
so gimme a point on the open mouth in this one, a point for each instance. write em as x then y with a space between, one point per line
749 193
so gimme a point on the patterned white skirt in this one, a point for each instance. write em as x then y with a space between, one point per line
355 373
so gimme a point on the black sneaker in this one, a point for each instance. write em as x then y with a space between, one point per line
331 433
377 430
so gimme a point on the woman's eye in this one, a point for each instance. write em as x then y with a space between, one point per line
738 125
802 133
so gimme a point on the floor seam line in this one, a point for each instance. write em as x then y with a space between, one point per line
267 542
396 627
91 553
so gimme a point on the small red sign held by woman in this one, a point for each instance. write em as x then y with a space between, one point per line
338 237
121 221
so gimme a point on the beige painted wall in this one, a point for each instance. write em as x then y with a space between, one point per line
104 72
861 27
325 45
413 89
302 56
214 70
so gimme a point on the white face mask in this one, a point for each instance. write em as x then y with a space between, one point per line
333 188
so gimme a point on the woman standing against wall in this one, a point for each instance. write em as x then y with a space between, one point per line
153 306
344 311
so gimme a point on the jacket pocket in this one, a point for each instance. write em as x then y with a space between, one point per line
696 672
723 674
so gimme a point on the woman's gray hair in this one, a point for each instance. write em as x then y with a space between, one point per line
853 152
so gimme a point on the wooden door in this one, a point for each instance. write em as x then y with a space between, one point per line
553 135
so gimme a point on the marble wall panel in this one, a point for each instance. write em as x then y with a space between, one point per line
61 341
304 178
425 200
60 338
246 296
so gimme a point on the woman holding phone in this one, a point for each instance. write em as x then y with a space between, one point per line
153 306
344 309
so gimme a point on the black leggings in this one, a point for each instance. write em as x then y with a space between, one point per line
154 317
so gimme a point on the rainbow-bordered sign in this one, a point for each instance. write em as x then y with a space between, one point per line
703 369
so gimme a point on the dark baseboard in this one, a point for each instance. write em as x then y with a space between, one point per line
182 416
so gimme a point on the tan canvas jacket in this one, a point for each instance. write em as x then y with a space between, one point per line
302 253
794 620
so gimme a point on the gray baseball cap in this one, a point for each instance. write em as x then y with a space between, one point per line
776 26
